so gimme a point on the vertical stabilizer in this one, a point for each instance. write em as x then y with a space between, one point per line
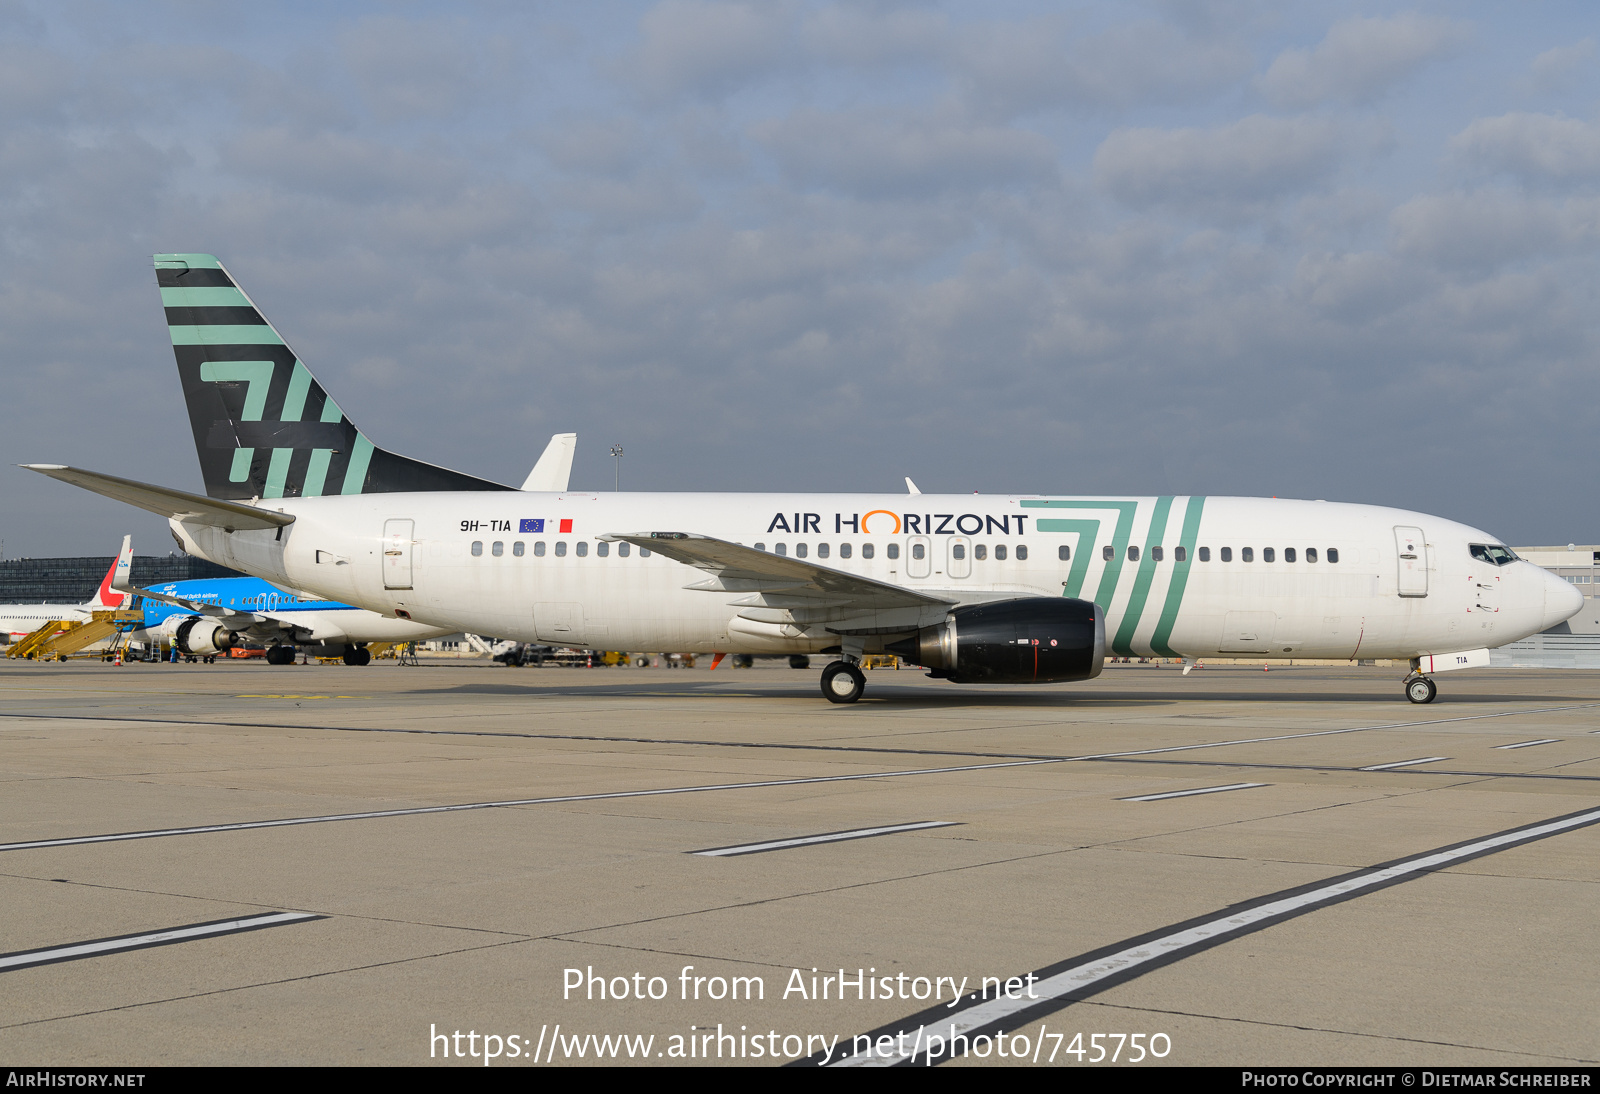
263 426
554 469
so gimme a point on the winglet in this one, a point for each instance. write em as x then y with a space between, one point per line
911 487
554 469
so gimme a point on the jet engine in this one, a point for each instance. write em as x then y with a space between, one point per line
1038 640
198 637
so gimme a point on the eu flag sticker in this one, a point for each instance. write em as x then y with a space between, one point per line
531 525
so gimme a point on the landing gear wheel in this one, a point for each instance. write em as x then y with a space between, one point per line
1420 689
357 656
799 661
280 655
842 682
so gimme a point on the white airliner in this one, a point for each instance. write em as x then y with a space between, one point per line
203 617
976 588
20 620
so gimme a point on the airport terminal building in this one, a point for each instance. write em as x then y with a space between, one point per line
74 580
1574 644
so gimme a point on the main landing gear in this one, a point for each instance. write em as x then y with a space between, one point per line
357 655
282 654
1420 689
842 682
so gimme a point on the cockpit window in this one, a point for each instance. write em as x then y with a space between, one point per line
1492 553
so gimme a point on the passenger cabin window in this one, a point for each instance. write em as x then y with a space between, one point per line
1288 554
1022 552
1311 554
538 548
498 549
561 548
761 546
1205 554
1156 553
517 549
844 550
644 552
1108 552
1333 555
918 551
1226 554
1000 552
822 550
980 552
1133 553
602 549
868 550
1064 553
1267 555
780 549
799 550
958 551
1180 554
624 549
477 548
583 548
1247 554
894 550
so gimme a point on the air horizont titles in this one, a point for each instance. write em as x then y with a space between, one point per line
932 524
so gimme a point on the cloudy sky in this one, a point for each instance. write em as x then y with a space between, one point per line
1314 250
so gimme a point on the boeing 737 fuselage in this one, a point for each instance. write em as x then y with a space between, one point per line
996 588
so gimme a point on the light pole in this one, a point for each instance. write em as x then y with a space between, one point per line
616 450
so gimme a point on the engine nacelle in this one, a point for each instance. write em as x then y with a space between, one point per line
199 637
1038 640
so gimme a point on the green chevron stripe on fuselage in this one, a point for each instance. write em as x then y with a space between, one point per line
1160 639
1119 538
1123 642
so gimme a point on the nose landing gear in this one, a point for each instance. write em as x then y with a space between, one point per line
842 682
1420 689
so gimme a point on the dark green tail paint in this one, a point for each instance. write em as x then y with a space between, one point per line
263 426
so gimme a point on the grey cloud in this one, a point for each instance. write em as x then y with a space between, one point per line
875 154
1019 67
1551 67
1254 159
1483 230
1359 60
705 46
411 69
337 165
1533 146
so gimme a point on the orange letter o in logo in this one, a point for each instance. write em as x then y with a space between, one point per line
886 513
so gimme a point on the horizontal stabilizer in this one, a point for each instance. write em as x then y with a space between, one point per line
173 504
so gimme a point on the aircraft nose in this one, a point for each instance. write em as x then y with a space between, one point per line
1562 600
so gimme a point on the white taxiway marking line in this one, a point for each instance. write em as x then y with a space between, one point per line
27 958
1056 986
1530 744
1191 793
1403 763
825 837
241 826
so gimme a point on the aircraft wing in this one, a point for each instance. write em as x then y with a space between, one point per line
191 508
775 581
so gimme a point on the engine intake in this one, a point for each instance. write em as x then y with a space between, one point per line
202 637
1038 640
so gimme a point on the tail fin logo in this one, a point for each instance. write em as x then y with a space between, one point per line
263 426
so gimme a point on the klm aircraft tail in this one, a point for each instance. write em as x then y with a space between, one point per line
263 425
